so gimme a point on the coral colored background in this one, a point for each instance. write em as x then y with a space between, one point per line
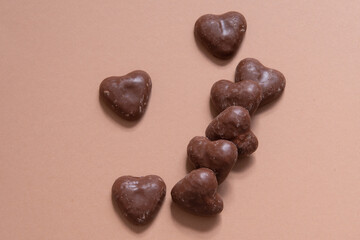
61 149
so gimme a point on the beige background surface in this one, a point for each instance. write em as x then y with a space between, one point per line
61 149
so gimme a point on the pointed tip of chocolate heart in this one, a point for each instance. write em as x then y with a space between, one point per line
139 198
221 34
127 95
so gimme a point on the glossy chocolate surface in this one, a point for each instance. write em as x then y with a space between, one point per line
246 143
222 34
229 124
233 124
246 94
128 95
197 193
271 81
139 198
219 156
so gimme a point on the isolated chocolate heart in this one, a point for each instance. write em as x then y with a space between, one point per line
139 198
219 156
271 81
128 95
221 34
196 193
246 94
233 124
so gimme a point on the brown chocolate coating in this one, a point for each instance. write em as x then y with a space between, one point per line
229 124
221 34
246 94
271 81
233 124
196 193
246 143
219 156
139 198
127 95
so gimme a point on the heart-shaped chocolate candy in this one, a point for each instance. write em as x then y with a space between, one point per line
246 94
246 143
233 124
221 34
196 192
128 95
271 81
139 198
220 156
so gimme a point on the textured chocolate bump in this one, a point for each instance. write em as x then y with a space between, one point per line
271 81
127 95
197 193
246 94
139 198
233 124
221 34
219 156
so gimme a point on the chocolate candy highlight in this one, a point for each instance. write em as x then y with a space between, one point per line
139 198
271 81
233 124
127 95
219 156
247 94
197 193
222 34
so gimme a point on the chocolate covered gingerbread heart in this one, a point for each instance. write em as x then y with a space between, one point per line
246 143
233 124
139 198
221 34
219 156
271 81
246 94
127 95
197 193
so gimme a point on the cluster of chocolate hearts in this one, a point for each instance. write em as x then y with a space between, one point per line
255 85
228 137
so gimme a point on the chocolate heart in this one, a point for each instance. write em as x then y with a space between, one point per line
233 124
219 156
139 198
221 34
127 95
246 94
196 193
246 143
271 81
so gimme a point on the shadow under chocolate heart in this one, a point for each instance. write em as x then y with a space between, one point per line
195 222
243 163
224 188
268 106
